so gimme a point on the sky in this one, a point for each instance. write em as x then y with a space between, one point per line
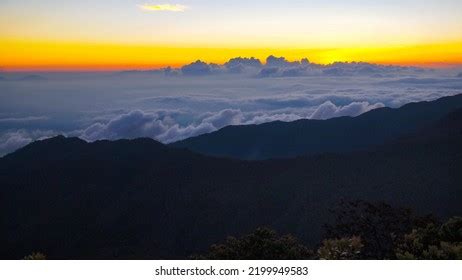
67 35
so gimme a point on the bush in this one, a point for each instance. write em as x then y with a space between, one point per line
36 256
263 244
341 249
433 242
379 225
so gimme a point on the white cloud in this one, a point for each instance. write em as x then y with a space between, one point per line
176 132
129 125
13 140
197 68
224 118
137 123
163 7
329 110
166 129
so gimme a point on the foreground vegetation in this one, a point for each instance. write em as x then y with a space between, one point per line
361 230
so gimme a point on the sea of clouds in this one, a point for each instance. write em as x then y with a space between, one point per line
174 104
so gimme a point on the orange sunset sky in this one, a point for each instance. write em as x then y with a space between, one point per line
53 35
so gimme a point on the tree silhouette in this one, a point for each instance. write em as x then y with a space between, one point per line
262 244
433 242
379 225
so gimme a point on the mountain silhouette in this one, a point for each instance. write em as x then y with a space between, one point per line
140 199
309 137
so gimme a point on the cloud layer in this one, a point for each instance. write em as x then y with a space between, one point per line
173 104
164 128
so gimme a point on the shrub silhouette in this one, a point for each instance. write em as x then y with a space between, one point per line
35 256
379 225
262 244
341 249
433 242
451 231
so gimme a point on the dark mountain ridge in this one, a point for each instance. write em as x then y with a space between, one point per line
141 199
310 137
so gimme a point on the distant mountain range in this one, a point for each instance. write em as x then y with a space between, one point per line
310 137
141 199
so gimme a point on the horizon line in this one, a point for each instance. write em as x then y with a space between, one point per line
28 56
153 67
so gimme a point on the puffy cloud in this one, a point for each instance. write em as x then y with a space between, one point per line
169 71
269 72
278 115
197 68
130 125
367 69
241 65
305 62
329 110
252 62
224 118
334 71
137 123
305 68
176 133
163 7
13 140
295 71
281 67
273 61
167 129
237 69
273 67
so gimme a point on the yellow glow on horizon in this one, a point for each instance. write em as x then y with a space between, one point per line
18 55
